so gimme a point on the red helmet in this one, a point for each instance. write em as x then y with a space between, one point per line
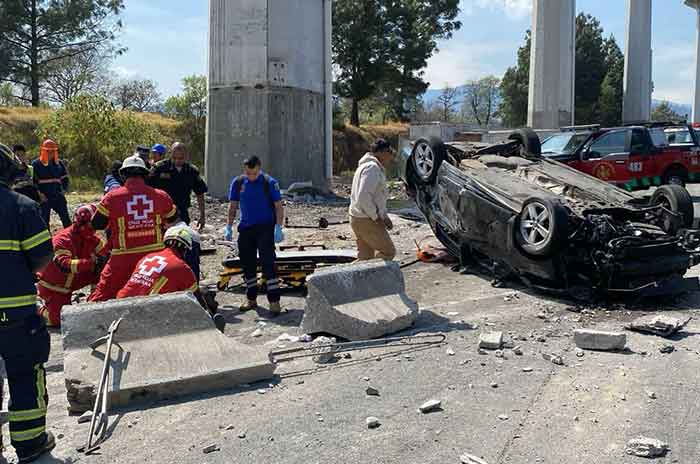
84 214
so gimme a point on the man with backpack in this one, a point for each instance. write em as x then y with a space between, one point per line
262 215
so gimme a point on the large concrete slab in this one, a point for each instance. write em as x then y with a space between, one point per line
359 301
167 346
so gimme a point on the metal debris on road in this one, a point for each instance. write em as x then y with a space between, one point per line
430 406
471 459
372 422
661 325
644 447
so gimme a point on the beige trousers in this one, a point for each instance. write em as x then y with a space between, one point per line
373 240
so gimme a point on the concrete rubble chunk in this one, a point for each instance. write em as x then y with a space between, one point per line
210 449
372 422
471 459
598 340
667 348
371 391
431 406
166 347
491 340
644 447
553 358
323 354
358 301
661 325
85 417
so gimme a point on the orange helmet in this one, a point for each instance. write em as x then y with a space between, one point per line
49 150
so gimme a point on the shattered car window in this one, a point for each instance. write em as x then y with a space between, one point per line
563 144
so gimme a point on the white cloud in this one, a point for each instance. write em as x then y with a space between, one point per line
674 71
514 9
124 72
456 64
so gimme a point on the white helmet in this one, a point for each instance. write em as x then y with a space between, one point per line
180 235
133 163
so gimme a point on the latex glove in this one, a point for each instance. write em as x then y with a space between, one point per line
279 235
228 233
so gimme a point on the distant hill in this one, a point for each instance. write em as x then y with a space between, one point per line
683 109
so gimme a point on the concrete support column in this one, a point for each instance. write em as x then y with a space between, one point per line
552 62
695 5
638 85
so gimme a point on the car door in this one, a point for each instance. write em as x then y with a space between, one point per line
607 157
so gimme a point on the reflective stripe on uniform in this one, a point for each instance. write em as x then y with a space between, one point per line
50 181
10 245
54 288
194 288
101 246
17 301
36 240
160 283
143 249
40 385
26 435
159 230
28 415
172 212
63 253
74 265
121 225
102 210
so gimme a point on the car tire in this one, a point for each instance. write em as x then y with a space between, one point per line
675 176
677 199
529 140
426 158
542 227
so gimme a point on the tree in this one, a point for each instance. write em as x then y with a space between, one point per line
664 112
36 33
610 101
190 107
515 87
136 95
448 100
75 75
415 27
590 68
480 100
7 95
360 50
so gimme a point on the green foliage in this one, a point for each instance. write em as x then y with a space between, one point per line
36 33
664 113
190 108
515 88
91 134
610 101
590 68
380 48
480 99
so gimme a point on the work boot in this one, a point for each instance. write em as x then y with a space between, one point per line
32 456
276 308
249 305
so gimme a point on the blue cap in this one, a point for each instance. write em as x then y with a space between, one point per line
158 148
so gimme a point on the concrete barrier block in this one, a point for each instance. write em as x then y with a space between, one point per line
166 347
359 301
587 339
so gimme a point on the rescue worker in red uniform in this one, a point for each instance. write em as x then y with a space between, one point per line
166 271
25 249
76 249
136 215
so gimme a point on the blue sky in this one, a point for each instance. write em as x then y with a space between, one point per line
167 40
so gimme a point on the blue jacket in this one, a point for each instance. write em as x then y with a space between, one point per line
52 180
111 183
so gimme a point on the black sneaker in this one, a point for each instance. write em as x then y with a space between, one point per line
48 445
219 322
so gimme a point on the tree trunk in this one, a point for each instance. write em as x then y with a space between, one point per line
34 59
355 116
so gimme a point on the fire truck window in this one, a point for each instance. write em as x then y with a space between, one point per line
638 142
608 144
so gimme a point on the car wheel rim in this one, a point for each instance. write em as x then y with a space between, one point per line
536 224
425 160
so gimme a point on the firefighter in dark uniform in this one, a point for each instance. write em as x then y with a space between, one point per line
24 182
51 177
179 179
25 249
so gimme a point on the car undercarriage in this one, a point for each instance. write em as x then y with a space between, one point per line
548 224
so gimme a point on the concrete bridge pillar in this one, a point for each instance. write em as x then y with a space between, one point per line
638 84
552 62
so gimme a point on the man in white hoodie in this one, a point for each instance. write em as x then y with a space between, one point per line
368 211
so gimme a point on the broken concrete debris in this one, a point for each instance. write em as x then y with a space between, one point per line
430 406
661 325
148 362
644 447
371 391
372 422
85 417
210 449
491 340
323 354
667 348
518 351
598 340
358 301
471 459
553 358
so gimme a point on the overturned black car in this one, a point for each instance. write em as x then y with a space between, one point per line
552 226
